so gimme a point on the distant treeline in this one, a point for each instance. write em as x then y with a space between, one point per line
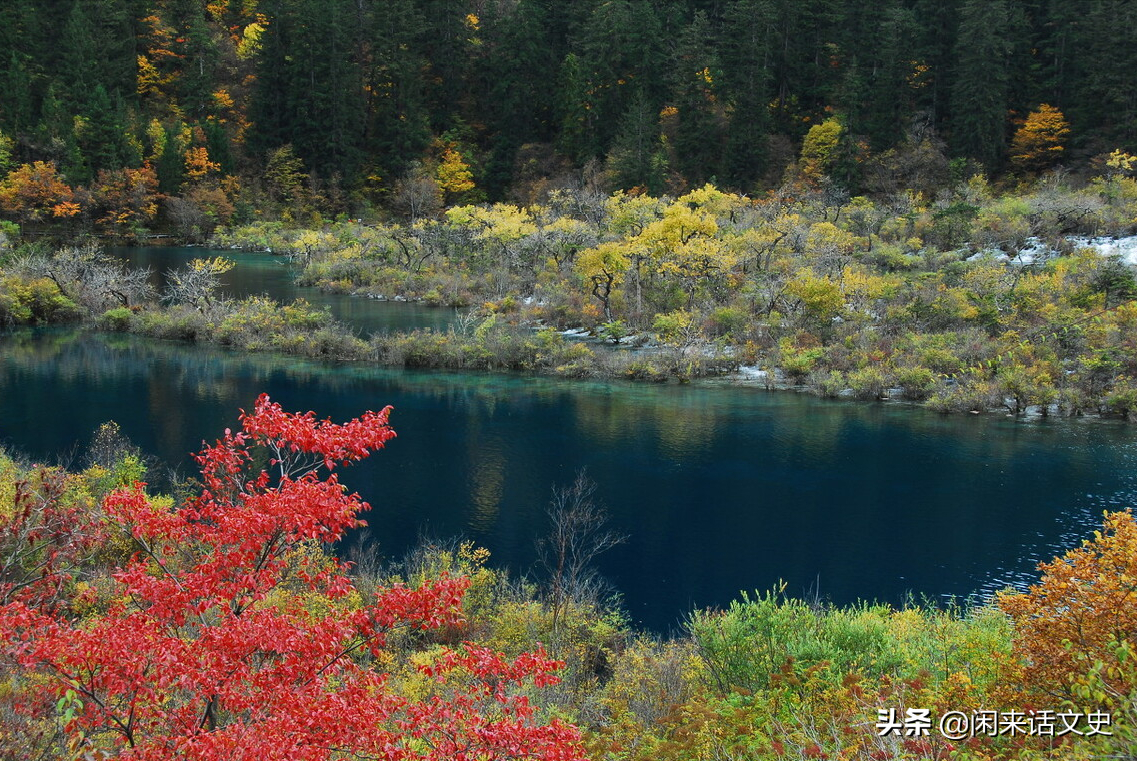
249 107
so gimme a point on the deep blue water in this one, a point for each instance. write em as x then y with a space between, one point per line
720 489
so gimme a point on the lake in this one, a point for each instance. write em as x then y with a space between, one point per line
719 488
264 274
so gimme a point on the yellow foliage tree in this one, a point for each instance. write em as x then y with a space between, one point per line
1038 143
820 297
819 149
198 165
603 267
453 174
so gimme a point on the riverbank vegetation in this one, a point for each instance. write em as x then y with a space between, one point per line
977 301
770 677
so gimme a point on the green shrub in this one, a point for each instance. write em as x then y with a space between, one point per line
868 382
798 363
727 321
36 300
117 319
917 382
645 369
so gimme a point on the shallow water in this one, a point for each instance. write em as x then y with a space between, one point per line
264 274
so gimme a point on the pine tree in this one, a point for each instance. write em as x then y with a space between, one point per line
622 51
980 90
510 86
102 137
308 91
746 43
699 125
881 103
1039 142
1107 89
637 158
397 129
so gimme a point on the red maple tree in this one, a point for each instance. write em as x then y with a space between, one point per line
212 646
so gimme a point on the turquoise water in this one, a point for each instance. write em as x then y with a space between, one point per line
264 274
719 489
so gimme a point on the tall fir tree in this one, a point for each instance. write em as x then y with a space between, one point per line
698 134
884 103
622 50
746 51
308 90
512 73
446 45
637 158
1107 88
980 92
397 128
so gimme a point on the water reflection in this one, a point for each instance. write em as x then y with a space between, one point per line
719 489
487 465
264 274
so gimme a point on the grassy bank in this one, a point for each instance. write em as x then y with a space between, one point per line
768 678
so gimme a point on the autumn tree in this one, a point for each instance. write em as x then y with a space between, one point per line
417 193
91 278
1084 606
126 198
603 268
35 192
45 533
820 149
1039 143
453 171
197 283
577 535
227 636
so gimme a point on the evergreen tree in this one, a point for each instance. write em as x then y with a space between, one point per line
1107 89
511 89
308 91
884 104
218 144
446 48
56 136
171 163
16 110
746 42
699 131
197 54
102 134
397 129
981 86
637 158
622 50
804 64
572 111
98 49
932 50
